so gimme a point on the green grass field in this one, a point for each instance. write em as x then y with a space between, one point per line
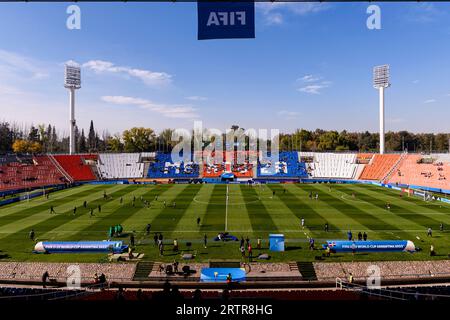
250 211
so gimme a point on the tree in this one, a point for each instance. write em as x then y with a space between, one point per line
77 139
114 143
20 146
92 146
6 137
166 139
34 147
34 134
441 141
23 146
82 142
138 139
328 141
48 137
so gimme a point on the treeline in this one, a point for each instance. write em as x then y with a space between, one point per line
46 139
322 140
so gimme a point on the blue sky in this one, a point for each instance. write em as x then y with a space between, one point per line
309 66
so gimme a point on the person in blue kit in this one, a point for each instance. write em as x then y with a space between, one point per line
349 235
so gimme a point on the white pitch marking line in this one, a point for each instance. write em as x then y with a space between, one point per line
226 211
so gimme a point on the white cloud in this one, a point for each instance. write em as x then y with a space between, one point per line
288 115
430 101
274 18
18 66
72 63
197 98
169 111
312 88
312 84
425 13
273 12
309 78
150 78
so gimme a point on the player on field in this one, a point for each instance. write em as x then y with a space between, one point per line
198 221
52 210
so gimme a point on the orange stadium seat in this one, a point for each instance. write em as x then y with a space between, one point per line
76 167
379 167
35 172
412 172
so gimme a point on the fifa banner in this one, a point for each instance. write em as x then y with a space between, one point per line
225 20
221 274
370 246
80 247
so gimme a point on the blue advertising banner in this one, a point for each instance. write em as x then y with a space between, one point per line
276 242
80 247
220 274
370 246
225 20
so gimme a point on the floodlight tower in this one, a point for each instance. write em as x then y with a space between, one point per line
380 82
72 82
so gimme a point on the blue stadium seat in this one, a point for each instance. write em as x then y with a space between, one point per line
164 167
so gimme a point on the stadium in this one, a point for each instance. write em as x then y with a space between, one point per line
303 215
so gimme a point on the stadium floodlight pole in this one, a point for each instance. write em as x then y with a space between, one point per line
72 82
380 82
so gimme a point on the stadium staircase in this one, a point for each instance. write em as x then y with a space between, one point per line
60 168
143 269
95 172
394 167
307 270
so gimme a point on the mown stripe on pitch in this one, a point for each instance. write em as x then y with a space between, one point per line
214 218
416 218
40 228
411 200
260 218
314 221
362 216
39 201
67 216
26 213
41 206
168 218
120 214
197 208
140 219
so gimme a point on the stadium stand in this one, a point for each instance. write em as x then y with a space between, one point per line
380 166
18 172
76 166
364 158
331 165
120 165
164 167
289 166
235 163
416 170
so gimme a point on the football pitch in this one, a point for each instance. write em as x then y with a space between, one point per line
241 210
